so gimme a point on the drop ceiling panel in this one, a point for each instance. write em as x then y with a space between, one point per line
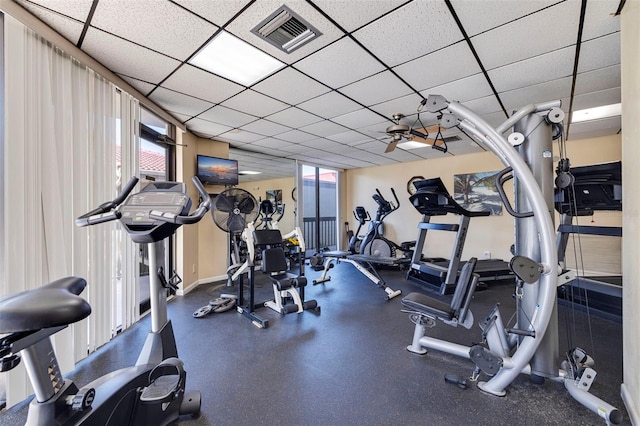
543 92
254 103
290 86
600 53
600 20
485 105
348 61
329 105
480 16
178 102
218 15
227 116
448 64
550 29
350 137
595 128
206 127
351 15
550 66
593 99
465 89
413 30
294 117
359 119
296 136
260 10
76 9
377 88
140 86
405 105
168 28
201 84
599 79
323 128
265 127
272 143
240 136
126 58
68 24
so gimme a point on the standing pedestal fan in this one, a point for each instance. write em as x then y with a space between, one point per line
233 209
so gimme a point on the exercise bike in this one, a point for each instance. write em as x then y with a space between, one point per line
373 242
152 392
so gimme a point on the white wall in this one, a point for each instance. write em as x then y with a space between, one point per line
630 40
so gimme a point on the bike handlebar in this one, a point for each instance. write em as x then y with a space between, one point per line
191 218
105 212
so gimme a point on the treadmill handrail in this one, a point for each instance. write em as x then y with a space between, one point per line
448 206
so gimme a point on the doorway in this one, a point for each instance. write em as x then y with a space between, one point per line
319 207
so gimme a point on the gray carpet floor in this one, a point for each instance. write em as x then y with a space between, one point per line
349 365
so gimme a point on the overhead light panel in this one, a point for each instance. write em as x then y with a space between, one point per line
596 113
412 145
235 59
249 172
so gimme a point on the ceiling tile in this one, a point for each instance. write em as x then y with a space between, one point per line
141 86
201 84
599 19
241 136
227 116
473 87
480 16
323 128
530 36
294 117
351 15
485 105
595 128
329 105
535 94
377 88
599 79
296 136
68 22
349 63
206 127
126 58
448 64
260 10
254 103
168 28
405 105
550 66
593 99
272 143
409 32
290 86
178 102
265 127
599 53
218 15
359 119
350 137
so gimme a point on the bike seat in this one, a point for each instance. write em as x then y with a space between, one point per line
51 305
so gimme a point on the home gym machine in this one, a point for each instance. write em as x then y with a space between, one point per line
150 392
531 345
432 199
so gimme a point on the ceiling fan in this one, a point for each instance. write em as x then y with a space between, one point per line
400 131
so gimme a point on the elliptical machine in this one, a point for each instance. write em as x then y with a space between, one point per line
150 392
374 243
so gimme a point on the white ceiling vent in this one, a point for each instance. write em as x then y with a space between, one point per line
286 30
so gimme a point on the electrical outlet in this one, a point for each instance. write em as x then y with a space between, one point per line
486 255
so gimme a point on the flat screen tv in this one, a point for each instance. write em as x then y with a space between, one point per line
217 171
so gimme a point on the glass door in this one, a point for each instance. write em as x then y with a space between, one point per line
319 208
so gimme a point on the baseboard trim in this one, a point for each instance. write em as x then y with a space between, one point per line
630 405
186 289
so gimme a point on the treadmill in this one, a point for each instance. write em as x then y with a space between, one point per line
432 199
595 187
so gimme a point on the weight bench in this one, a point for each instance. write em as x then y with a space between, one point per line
286 286
425 310
364 264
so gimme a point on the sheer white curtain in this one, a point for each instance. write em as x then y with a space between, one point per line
62 128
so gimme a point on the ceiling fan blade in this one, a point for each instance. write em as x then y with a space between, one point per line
391 146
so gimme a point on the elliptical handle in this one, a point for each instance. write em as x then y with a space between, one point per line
397 206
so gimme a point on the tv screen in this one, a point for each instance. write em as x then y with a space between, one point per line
217 171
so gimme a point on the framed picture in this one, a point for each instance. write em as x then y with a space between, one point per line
477 192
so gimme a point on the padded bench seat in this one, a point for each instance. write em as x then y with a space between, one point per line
421 303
